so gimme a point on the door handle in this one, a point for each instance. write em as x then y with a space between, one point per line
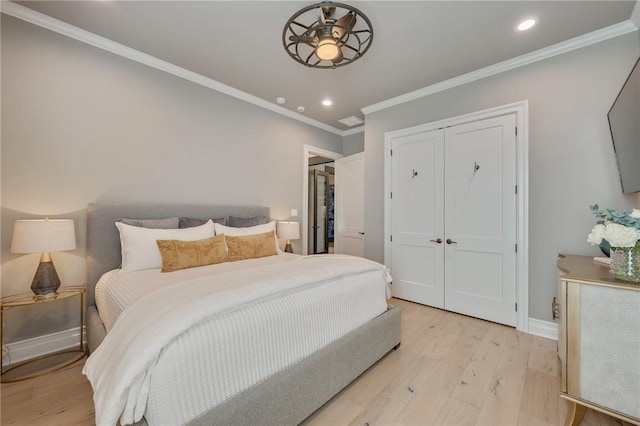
439 241
361 233
450 241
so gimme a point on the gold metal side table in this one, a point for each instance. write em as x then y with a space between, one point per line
68 356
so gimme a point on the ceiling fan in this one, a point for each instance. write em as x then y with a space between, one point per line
327 35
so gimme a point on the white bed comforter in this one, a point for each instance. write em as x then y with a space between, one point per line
120 370
116 289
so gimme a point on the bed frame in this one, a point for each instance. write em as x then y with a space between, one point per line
286 398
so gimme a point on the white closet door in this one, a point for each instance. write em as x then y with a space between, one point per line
349 205
417 259
480 219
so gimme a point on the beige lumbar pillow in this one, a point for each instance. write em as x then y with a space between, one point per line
178 254
250 246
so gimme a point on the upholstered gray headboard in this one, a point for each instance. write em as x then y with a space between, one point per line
103 239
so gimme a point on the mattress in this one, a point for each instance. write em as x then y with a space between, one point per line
230 352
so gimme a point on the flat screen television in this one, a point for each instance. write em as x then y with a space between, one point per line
624 121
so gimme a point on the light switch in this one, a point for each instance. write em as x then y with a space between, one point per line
294 212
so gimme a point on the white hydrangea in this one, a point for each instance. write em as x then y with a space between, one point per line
635 214
620 235
596 235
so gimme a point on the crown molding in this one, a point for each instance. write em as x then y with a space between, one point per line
60 27
353 131
519 61
635 14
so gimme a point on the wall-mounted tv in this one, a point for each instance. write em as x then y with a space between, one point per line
624 121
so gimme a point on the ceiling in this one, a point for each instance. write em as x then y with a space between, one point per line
416 43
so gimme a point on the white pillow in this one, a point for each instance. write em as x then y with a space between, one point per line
139 248
250 230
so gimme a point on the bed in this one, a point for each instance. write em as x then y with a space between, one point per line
291 390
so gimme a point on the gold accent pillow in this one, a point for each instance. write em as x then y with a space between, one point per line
177 254
251 246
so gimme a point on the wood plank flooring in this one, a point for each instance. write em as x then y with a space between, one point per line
450 370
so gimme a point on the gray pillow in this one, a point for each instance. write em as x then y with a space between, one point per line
190 222
244 222
166 223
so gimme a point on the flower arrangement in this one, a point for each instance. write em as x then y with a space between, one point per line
618 228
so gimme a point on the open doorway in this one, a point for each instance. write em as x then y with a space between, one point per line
318 222
321 208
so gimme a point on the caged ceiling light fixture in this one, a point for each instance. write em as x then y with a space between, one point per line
327 35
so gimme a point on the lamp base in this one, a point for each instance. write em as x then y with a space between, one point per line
288 248
46 280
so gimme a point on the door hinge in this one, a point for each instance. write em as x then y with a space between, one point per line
391 238
391 194
516 248
391 152
516 189
555 309
516 130
516 307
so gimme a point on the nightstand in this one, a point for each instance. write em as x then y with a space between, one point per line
43 364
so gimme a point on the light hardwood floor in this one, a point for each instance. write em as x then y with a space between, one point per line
450 370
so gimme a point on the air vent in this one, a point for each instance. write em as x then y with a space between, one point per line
351 121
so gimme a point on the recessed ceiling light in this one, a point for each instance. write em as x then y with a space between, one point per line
327 102
526 24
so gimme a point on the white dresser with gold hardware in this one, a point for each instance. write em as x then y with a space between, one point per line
599 342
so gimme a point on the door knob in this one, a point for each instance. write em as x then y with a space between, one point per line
450 241
439 241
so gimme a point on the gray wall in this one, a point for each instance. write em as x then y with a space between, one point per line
81 125
353 144
571 157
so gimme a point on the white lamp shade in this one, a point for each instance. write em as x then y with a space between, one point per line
43 235
288 230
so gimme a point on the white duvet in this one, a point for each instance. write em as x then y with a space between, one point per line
120 370
116 290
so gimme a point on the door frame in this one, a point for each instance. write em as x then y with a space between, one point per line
308 150
521 110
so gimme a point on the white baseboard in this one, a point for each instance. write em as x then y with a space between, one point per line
23 350
541 328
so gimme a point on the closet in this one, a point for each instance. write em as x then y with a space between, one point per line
452 217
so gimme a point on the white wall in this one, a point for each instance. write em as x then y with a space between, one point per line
571 158
81 125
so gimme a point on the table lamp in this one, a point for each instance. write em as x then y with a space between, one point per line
288 231
44 236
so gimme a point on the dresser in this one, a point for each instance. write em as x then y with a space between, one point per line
599 341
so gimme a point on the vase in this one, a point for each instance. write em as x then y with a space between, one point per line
625 263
